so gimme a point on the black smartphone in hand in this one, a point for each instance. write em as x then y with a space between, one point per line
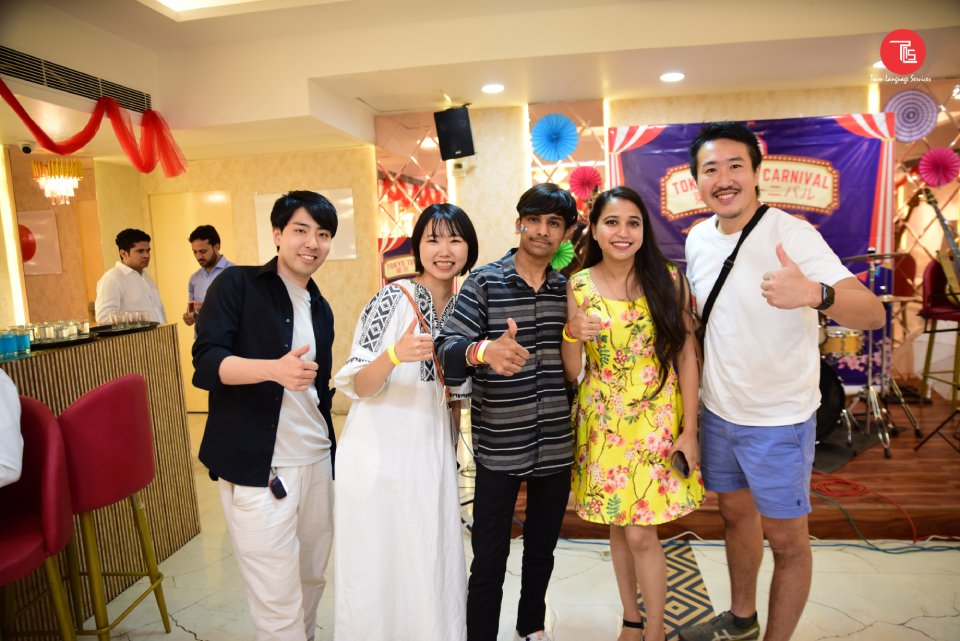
679 462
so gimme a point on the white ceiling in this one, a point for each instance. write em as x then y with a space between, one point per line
368 57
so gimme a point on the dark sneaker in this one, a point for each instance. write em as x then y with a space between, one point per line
721 628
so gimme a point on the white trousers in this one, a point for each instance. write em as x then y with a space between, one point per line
282 547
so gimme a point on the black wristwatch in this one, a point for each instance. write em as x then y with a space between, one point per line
827 296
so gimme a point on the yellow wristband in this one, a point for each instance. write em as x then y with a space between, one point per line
392 353
567 337
480 350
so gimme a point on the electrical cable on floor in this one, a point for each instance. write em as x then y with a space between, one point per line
839 487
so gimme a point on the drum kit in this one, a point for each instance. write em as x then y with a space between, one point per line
840 342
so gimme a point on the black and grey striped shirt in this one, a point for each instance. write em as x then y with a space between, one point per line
521 423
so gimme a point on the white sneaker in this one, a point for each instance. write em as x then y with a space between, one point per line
539 635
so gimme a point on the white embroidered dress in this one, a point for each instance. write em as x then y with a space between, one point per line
400 572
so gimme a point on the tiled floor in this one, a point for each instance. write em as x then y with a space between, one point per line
857 595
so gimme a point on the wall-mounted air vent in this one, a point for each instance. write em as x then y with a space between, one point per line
17 64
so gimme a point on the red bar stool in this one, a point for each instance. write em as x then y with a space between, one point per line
109 450
37 522
937 306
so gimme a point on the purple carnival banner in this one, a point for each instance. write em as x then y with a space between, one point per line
834 171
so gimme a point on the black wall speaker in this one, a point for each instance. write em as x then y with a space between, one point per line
453 133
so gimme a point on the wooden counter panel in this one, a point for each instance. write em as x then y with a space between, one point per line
58 377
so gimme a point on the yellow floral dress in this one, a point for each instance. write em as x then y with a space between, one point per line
621 475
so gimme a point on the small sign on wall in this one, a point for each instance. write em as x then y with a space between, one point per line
39 243
344 244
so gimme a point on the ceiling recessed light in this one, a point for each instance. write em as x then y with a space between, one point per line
672 76
878 64
493 87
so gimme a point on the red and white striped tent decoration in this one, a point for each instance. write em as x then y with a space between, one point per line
621 139
878 126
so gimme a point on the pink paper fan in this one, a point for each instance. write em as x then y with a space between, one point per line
939 166
583 181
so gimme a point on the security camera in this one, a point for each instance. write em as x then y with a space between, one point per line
26 146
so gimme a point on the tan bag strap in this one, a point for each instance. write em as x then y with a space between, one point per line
426 330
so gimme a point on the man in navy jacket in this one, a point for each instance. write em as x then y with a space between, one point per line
263 350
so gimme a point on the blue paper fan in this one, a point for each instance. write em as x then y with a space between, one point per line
554 137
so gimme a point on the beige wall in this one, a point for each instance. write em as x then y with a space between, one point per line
11 280
346 284
739 106
122 204
54 296
495 177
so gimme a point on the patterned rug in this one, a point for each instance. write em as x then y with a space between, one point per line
688 602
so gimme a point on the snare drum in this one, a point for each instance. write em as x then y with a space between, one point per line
841 341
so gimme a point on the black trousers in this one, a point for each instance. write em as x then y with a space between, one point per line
494 502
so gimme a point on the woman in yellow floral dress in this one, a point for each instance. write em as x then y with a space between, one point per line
629 312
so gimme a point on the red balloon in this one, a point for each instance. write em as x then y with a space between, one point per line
28 243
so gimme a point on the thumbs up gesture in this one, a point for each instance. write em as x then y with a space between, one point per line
294 373
505 355
787 287
584 326
413 347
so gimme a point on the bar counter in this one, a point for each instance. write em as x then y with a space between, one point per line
58 377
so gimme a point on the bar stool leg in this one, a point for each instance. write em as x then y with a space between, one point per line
7 608
925 381
60 607
956 369
97 592
149 556
73 572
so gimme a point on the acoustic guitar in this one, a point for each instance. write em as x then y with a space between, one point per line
949 260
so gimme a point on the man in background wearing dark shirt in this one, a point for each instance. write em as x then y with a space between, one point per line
505 332
263 351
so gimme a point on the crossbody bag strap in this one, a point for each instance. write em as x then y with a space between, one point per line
426 330
728 264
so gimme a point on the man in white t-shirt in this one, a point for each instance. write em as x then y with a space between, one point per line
127 287
760 389
264 352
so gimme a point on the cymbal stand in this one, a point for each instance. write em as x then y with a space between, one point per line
873 413
888 384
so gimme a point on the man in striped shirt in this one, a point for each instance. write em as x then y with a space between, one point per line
505 332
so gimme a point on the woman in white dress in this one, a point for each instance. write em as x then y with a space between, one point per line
399 565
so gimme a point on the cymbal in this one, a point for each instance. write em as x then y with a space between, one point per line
890 298
871 257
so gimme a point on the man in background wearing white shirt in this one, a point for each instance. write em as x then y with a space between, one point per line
126 287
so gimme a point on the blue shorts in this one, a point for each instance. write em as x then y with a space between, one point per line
774 461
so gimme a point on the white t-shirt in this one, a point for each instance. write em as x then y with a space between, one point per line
123 289
761 365
302 434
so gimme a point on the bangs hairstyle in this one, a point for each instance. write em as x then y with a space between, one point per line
320 209
666 298
547 198
448 220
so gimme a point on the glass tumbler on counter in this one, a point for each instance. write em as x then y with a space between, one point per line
8 344
22 335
